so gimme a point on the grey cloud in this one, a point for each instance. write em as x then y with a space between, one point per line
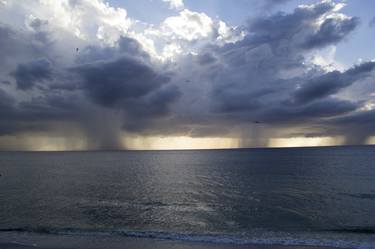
154 104
143 114
119 78
31 73
250 81
37 23
245 81
330 32
35 114
357 127
372 22
125 47
359 119
246 88
206 59
269 4
6 101
299 28
330 83
111 83
20 45
323 109
276 1
8 43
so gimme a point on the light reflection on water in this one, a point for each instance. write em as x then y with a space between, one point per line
235 191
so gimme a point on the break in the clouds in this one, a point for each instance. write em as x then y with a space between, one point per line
84 70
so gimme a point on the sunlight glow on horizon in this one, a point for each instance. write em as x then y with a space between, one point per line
58 143
306 142
180 143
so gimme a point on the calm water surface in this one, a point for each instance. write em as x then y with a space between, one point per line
318 196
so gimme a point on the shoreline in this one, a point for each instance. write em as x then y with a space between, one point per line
24 240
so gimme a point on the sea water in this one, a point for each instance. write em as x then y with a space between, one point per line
297 196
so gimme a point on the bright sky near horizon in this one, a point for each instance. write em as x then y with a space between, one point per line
186 74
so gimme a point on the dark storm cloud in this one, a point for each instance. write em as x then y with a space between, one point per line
6 101
330 83
25 62
5 38
154 104
125 46
251 86
300 27
131 86
257 87
35 114
323 109
330 32
10 42
31 73
24 57
282 25
363 118
142 114
111 83
249 77
123 78
357 127
53 107
206 59
119 78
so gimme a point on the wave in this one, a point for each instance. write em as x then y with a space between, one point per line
334 238
358 230
360 196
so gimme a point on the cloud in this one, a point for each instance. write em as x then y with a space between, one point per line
270 3
188 25
28 74
267 77
175 4
332 31
6 101
330 83
273 49
372 22
83 67
309 26
111 83
357 127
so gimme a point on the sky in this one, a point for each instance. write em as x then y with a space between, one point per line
186 74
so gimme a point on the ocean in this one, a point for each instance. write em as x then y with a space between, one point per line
296 196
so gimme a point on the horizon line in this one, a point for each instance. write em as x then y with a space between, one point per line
213 149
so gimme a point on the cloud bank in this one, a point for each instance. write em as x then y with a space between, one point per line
85 69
